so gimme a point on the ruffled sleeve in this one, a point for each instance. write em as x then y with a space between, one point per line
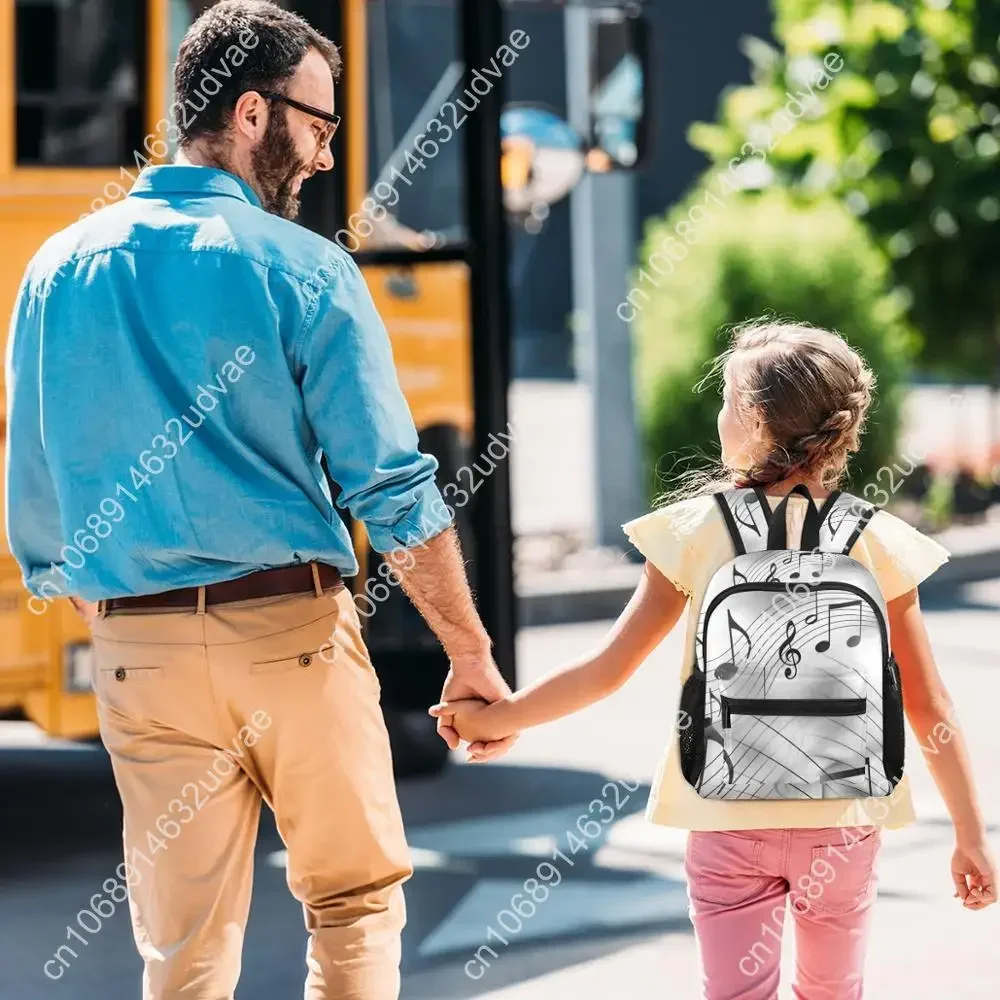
671 538
901 556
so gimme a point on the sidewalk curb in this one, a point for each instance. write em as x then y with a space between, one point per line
547 604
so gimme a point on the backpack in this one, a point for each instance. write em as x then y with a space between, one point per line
795 693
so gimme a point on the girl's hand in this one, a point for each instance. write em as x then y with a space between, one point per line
974 873
475 720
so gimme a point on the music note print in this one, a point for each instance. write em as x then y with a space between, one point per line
749 523
813 616
727 671
787 652
738 577
852 640
772 573
797 572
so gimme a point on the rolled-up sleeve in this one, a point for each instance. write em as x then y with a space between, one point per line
361 419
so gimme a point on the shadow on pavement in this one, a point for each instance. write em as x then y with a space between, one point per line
477 834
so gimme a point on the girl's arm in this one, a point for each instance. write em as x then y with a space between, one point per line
931 714
651 613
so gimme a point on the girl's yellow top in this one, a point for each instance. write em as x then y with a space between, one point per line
687 542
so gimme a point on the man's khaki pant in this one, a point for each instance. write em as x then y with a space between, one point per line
206 713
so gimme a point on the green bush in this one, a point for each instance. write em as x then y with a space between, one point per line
756 255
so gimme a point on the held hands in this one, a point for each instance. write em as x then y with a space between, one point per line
473 676
474 719
973 871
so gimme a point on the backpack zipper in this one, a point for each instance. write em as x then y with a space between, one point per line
791 706
774 586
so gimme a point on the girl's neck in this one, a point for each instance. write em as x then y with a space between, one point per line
813 483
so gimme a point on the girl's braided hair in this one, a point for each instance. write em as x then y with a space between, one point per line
810 390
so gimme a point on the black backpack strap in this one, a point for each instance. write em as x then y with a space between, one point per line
844 518
746 515
777 534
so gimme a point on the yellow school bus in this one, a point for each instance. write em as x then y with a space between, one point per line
85 95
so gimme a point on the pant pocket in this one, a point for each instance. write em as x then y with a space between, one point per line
129 688
297 661
841 875
724 868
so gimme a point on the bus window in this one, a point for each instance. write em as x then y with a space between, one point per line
80 82
415 138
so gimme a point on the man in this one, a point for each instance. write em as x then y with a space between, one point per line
178 364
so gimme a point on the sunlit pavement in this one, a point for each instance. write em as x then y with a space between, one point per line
616 924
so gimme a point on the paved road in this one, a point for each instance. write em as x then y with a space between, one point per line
617 924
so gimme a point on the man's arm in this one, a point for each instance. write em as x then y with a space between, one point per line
363 423
433 576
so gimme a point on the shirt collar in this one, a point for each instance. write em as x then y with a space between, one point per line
173 178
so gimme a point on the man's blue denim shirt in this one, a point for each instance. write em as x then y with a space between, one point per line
177 365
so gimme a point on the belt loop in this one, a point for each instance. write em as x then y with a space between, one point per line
102 608
201 600
317 583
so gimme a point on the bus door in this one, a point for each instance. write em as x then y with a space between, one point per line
415 197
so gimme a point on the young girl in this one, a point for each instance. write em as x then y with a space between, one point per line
795 401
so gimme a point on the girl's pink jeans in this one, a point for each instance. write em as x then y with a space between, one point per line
739 884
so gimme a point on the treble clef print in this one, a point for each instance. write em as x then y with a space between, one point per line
787 652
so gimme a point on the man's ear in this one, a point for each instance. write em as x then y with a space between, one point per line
250 115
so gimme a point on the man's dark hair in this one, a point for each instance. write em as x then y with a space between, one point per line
236 46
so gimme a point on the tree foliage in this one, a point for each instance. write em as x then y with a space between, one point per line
906 132
760 254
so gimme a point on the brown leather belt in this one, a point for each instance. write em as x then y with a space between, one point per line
296 579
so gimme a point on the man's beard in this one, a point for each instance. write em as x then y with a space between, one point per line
275 166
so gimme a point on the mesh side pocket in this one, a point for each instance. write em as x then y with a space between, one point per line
691 727
893 733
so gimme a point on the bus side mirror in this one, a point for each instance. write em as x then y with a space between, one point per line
544 158
619 56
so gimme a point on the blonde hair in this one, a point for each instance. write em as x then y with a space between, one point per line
810 390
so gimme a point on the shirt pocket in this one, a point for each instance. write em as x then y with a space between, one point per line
845 873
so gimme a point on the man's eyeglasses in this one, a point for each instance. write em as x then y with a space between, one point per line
332 121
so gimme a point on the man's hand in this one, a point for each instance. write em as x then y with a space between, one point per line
475 677
86 609
476 720
433 576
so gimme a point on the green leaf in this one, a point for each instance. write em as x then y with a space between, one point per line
853 90
871 23
716 141
949 29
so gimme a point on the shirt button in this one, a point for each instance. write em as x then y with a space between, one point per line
305 659
120 674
